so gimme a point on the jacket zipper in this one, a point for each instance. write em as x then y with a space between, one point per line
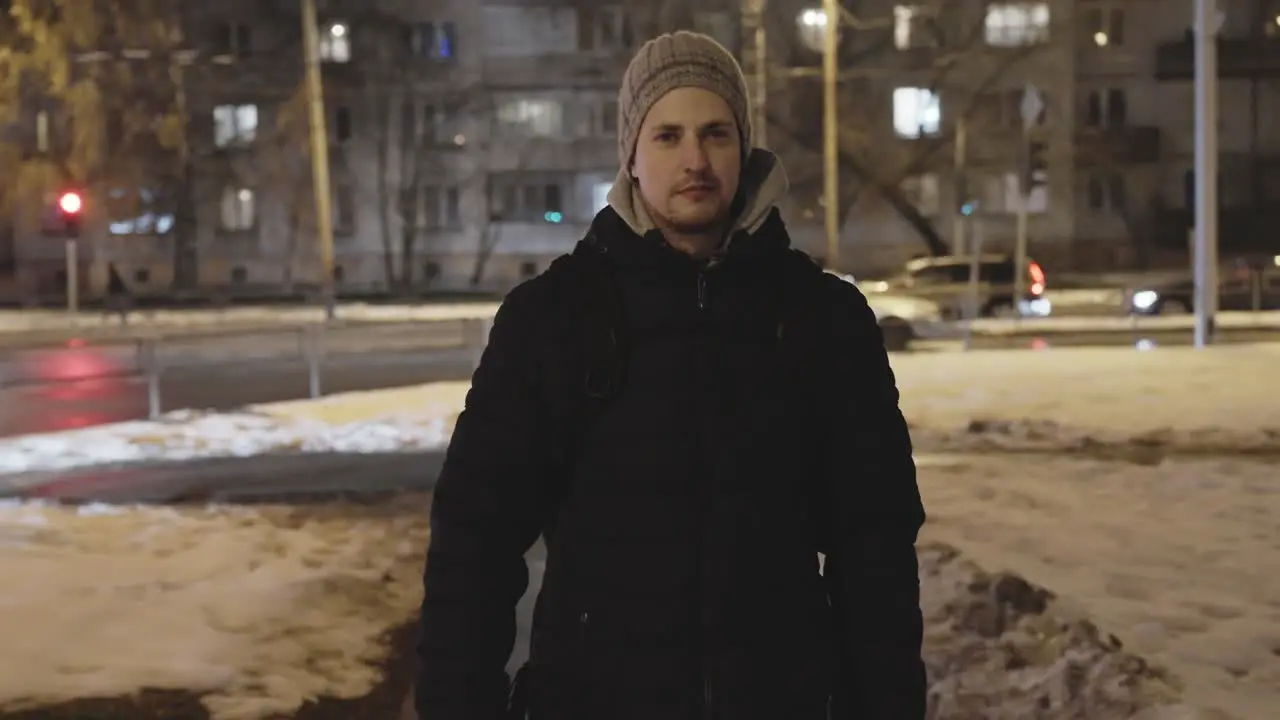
708 705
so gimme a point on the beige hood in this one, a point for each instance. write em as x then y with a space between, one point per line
764 184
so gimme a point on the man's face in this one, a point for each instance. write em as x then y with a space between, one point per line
688 160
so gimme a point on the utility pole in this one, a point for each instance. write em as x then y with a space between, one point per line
1029 176
319 152
757 68
961 186
830 131
1206 23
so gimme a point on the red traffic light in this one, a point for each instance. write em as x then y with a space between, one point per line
70 203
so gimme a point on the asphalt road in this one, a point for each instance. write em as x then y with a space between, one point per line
82 385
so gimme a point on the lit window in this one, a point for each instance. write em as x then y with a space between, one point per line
1104 27
916 112
235 124
335 43
437 40
913 28
138 212
238 211
532 117
600 196
1017 24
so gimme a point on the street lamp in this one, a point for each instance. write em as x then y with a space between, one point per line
824 25
319 151
812 27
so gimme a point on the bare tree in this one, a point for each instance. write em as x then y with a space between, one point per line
288 172
947 54
496 219
88 97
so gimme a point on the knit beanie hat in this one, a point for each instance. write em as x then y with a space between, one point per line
676 60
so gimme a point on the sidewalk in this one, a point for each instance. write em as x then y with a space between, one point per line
29 321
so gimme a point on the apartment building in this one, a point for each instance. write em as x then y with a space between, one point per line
471 142
1113 146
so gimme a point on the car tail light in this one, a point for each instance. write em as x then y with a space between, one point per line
1037 278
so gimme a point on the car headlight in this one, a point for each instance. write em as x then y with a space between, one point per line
1144 299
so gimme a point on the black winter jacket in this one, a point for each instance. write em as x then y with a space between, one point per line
682 578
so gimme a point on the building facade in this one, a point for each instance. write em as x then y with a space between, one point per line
472 141
1112 146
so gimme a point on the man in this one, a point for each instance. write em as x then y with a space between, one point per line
689 412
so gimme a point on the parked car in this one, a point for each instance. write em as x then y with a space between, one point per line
1238 289
903 318
945 281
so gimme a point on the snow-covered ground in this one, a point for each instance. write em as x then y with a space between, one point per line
1180 561
1177 557
1223 399
1161 594
262 609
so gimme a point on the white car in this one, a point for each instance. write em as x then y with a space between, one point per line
902 318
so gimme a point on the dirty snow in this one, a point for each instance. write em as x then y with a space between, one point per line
1180 561
1161 594
262 609
1219 400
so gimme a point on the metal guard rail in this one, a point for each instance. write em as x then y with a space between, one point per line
311 346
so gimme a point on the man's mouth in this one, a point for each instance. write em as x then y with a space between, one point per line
697 190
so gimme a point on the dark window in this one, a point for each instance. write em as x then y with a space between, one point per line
1117 108
342 123
997 273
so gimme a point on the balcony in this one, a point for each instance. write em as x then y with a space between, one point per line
1238 58
1125 145
1241 230
561 70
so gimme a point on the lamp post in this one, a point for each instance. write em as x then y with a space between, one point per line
827 22
1207 22
319 152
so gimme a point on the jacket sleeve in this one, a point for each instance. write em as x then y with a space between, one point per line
484 518
871 568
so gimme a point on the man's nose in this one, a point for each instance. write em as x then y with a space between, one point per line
695 155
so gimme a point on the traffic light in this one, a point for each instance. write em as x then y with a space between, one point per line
965 205
1035 165
70 207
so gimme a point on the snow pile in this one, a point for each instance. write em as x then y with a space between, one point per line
1106 400
995 652
258 610
186 435
1179 560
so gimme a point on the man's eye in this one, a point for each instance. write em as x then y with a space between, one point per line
666 137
